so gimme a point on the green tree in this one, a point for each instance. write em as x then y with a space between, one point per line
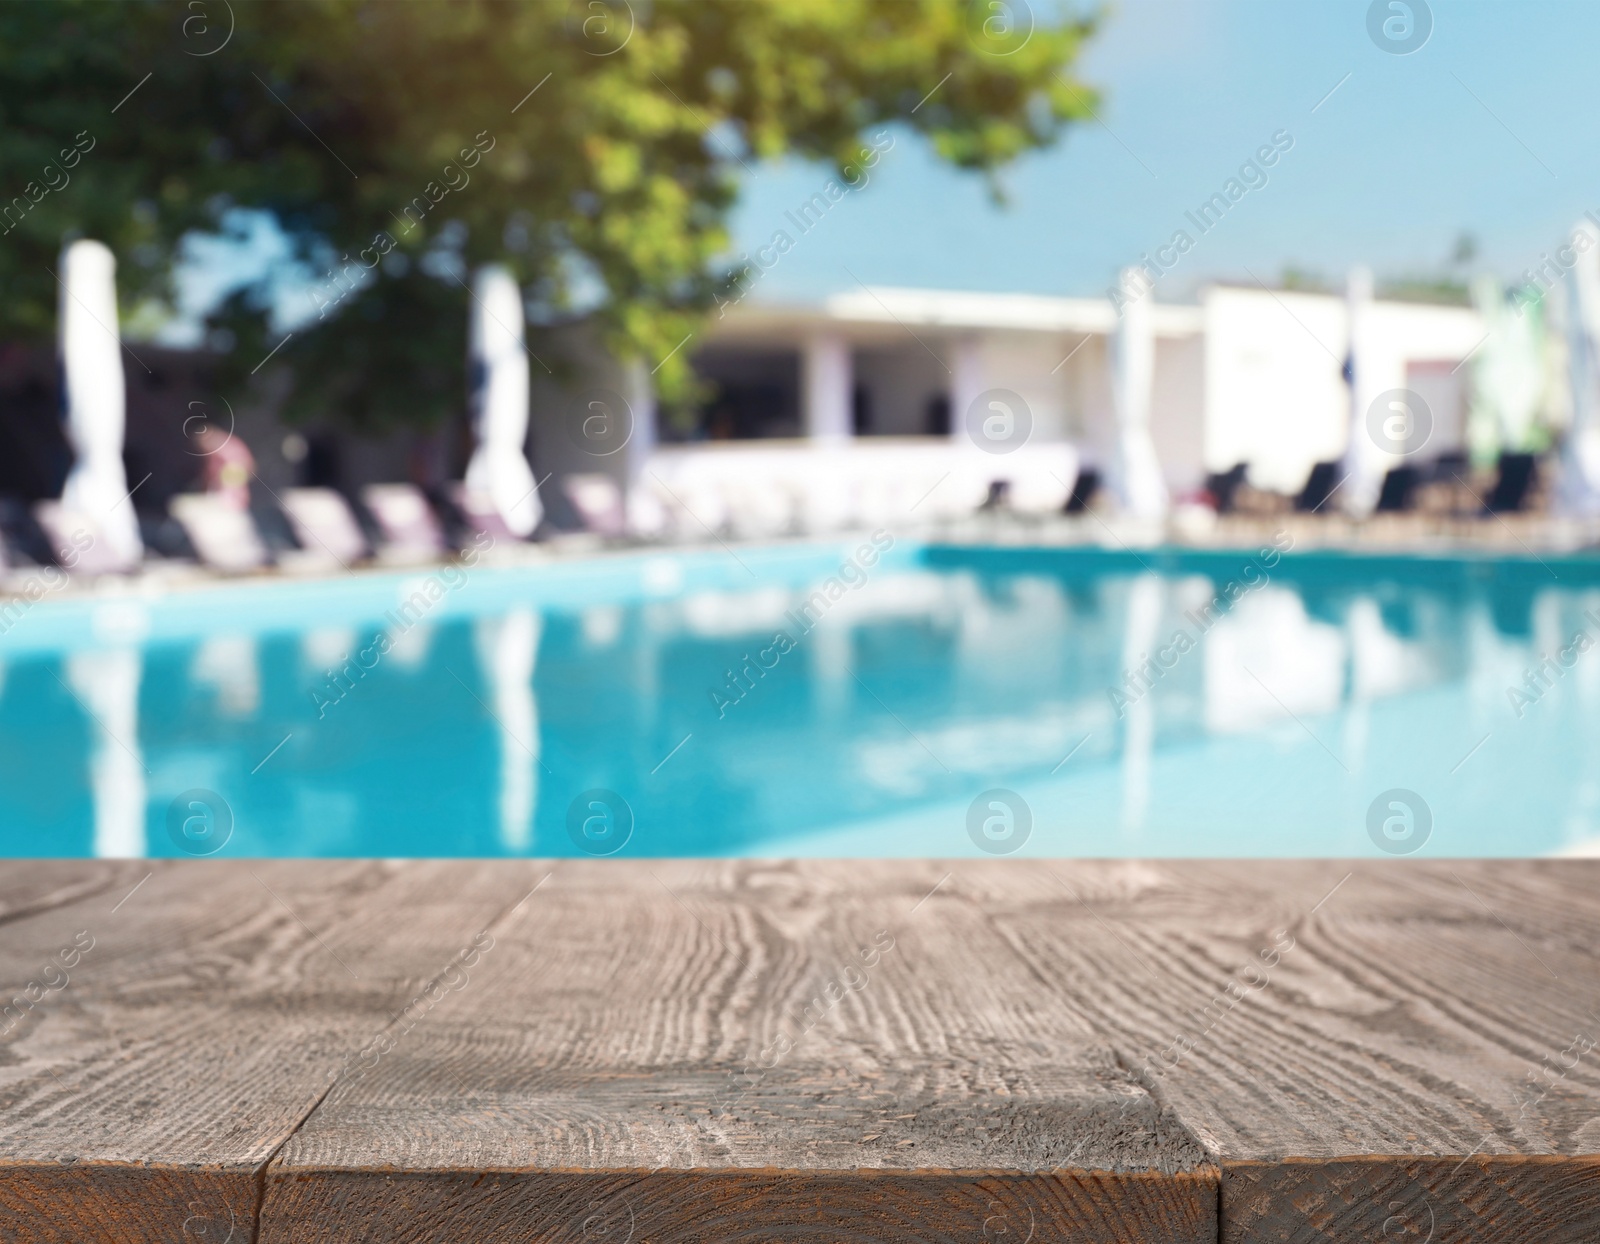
594 146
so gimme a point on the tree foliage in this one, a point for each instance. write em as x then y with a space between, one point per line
595 147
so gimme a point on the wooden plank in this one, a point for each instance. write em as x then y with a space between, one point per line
1547 1199
871 1205
200 1020
83 1202
1421 1045
994 1050
26 889
732 1050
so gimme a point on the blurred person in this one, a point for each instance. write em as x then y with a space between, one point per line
229 466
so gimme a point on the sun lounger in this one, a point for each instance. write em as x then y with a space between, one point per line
1320 485
768 490
1518 480
1083 491
405 518
597 501
965 486
224 536
324 526
647 513
1041 485
1399 490
1447 487
74 541
1222 485
757 508
479 514
22 539
694 504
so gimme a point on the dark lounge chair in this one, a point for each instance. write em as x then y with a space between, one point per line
1320 485
1223 485
1083 490
1399 492
1519 474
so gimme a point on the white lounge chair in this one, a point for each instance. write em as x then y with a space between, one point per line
224 536
411 531
327 530
598 503
768 488
480 515
75 541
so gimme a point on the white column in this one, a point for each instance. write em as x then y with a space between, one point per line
825 387
1137 477
968 378
1364 461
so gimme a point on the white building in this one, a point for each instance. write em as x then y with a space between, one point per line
890 378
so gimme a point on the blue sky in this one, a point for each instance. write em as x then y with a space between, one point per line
1492 128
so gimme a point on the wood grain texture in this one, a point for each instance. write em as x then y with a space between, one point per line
203 1022
79 1202
869 1206
984 1051
741 1044
1420 1010
1506 1199
39 885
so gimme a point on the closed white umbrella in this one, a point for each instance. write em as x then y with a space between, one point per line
94 402
1365 461
1578 491
1136 474
498 379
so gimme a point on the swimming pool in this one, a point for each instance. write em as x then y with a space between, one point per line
837 698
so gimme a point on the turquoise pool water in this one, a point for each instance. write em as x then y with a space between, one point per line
940 700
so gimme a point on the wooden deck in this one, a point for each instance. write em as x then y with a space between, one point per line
990 1052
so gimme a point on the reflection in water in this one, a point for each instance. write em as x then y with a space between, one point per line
106 682
227 664
507 647
1268 659
1271 733
1141 640
409 645
325 649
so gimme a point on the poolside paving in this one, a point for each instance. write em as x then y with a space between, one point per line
605 1052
